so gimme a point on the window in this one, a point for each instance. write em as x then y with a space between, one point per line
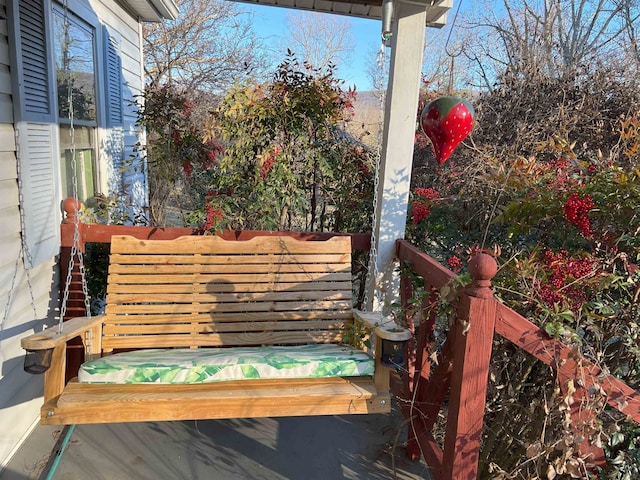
75 72
63 57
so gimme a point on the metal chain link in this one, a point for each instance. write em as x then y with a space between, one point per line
75 248
25 253
372 272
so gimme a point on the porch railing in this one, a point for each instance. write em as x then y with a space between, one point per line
461 372
459 377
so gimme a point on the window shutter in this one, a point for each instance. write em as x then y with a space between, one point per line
113 67
36 117
115 130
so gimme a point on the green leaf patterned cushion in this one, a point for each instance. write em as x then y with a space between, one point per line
203 365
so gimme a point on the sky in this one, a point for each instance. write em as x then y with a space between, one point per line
270 24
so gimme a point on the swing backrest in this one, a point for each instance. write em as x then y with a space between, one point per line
205 291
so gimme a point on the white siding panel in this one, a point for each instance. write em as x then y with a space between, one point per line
20 393
130 47
132 66
8 171
5 80
4 51
7 138
6 110
9 191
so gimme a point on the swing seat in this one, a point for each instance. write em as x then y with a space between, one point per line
202 328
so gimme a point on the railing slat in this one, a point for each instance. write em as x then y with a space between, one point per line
538 343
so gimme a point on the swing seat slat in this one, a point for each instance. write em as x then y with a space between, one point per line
204 292
95 403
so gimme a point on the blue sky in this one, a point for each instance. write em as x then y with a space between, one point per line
270 24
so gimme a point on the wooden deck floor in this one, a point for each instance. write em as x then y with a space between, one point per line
306 448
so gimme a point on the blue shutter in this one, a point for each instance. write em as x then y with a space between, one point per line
114 109
113 67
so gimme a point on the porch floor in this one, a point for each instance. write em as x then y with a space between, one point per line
305 448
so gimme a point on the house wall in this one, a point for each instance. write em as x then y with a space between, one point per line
21 393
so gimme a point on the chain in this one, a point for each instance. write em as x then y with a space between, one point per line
372 272
13 284
75 248
25 253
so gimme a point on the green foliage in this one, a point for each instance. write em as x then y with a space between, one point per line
177 148
288 163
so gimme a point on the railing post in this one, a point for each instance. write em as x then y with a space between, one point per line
473 339
75 302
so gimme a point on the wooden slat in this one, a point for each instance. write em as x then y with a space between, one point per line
127 258
532 339
225 287
205 291
229 278
211 298
228 317
273 268
227 307
160 328
221 339
91 403
203 245
51 338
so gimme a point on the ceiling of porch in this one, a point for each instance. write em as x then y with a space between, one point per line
155 10
436 9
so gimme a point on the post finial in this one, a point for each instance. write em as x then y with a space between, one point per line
70 206
483 268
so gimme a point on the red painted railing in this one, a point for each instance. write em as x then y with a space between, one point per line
463 366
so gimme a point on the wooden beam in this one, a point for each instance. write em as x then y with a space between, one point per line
103 403
564 359
472 354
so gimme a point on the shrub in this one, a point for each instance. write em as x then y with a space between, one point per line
549 176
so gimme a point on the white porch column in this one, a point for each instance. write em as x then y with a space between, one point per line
397 144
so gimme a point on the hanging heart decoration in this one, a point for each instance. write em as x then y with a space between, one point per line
446 121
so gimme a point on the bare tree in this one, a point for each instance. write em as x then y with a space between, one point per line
319 39
206 48
549 37
631 16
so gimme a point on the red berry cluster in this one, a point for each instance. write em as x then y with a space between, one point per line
576 209
268 163
214 214
427 193
266 166
420 209
455 264
561 270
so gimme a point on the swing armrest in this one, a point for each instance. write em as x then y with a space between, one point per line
383 327
50 338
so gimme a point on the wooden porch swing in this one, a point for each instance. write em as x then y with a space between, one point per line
208 294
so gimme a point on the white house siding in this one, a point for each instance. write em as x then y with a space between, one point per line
21 393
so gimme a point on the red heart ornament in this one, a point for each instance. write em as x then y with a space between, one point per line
446 121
